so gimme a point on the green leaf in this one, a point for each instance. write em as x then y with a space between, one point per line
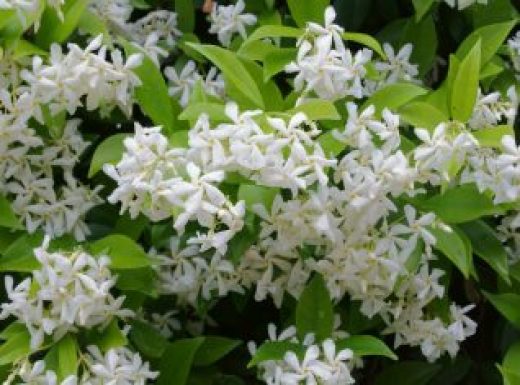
147 339
15 348
138 280
511 365
365 345
508 304
109 151
109 338
185 10
276 60
152 94
8 218
275 350
274 31
12 330
394 96
304 11
177 360
421 7
492 136
314 312
122 250
213 349
131 227
19 256
460 204
92 24
487 246
257 50
317 109
215 111
269 90
491 38
67 356
25 48
465 85
422 114
330 145
253 194
365 40
454 248
234 71
407 373
53 30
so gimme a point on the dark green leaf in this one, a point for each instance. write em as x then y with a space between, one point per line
177 360
487 246
508 304
147 339
314 312
108 151
304 11
213 349
275 350
366 346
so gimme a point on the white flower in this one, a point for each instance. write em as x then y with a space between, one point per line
74 291
118 366
397 65
461 4
228 20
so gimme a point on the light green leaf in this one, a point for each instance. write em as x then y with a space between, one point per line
275 350
314 312
508 304
256 50
67 356
365 40
137 280
491 38
15 348
394 96
8 218
365 345
19 256
233 70
25 48
454 248
460 204
422 114
274 31
92 24
465 85
109 151
487 246
317 109
511 365
124 253
305 11
177 360
215 111
275 61
492 136
253 194
330 145
213 349
53 30
152 94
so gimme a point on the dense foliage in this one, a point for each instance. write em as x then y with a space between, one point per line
259 192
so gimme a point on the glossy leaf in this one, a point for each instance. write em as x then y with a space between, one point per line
314 312
365 345
109 151
124 253
177 360
305 11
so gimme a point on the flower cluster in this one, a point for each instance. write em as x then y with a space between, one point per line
318 364
46 93
118 366
332 71
69 291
